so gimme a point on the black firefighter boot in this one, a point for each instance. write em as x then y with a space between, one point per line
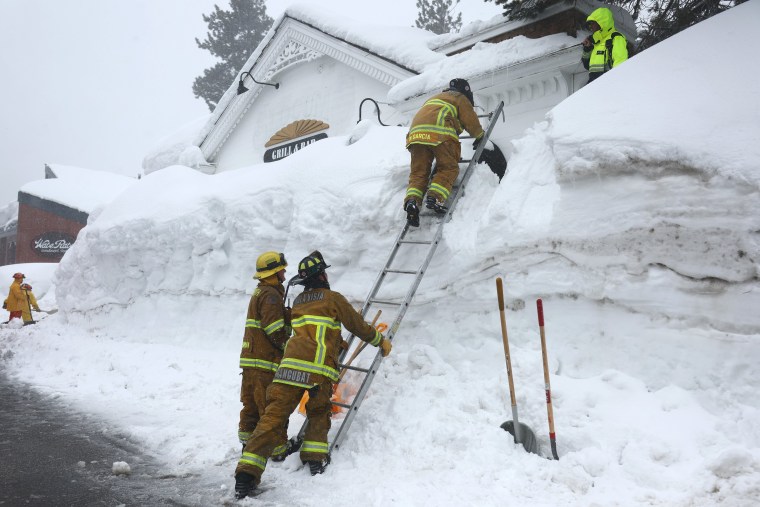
412 213
318 467
244 485
291 446
434 204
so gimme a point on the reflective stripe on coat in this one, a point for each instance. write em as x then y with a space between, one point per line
265 334
442 117
311 356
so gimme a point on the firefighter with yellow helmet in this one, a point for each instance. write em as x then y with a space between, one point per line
266 333
310 363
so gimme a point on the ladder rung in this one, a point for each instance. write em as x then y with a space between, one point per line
401 271
382 302
354 368
463 161
341 404
416 242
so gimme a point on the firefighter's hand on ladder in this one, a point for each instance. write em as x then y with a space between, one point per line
385 347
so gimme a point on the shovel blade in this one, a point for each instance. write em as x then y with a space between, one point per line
526 436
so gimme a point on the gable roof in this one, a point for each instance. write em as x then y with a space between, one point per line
76 188
303 33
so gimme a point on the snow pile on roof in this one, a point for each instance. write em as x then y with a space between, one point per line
644 251
723 104
177 148
483 59
407 47
80 189
8 216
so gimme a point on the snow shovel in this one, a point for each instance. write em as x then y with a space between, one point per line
548 388
522 433
495 160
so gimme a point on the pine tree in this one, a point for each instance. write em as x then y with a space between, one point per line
232 37
435 16
656 20
523 9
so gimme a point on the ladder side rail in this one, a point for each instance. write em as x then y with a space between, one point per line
376 287
346 422
369 377
473 162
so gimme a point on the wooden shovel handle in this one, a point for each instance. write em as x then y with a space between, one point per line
358 349
547 385
505 340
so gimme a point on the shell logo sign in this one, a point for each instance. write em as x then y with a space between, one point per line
293 137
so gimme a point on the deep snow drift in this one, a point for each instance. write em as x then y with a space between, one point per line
632 212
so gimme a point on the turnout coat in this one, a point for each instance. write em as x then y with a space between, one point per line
311 356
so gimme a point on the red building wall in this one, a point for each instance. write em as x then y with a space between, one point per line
45 229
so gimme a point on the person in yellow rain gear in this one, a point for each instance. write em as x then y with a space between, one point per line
605 48
267 329
434 136
16 300
310 363
31 302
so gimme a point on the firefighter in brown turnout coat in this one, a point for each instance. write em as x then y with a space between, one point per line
266 333
310 363
434 135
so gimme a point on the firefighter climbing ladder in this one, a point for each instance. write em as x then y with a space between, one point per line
374 301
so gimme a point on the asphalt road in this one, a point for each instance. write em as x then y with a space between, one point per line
51 455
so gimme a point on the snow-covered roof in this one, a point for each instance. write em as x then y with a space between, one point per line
484 30
78 188
482 60
404 46
8 216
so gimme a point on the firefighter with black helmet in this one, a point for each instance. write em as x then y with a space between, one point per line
266 332
434 136
310 363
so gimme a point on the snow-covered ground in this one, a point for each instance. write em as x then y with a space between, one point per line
632 212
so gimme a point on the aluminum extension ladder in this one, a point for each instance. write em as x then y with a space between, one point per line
366 372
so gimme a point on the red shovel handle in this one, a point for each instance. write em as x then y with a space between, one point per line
540 307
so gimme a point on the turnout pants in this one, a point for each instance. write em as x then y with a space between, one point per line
282 399
446 156
253 396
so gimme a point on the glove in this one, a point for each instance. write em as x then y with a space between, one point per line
385 347
476 142
343 345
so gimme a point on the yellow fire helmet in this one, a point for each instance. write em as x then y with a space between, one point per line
269 263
